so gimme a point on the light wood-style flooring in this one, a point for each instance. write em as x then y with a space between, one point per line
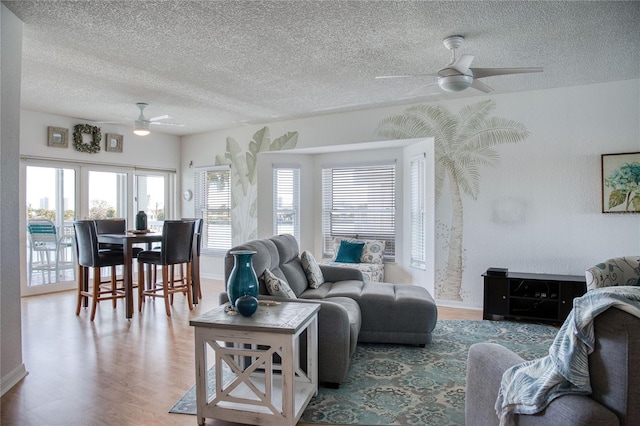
112 371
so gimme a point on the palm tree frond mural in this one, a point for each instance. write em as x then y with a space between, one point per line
244 209
464 143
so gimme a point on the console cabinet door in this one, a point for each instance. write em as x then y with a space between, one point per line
496 297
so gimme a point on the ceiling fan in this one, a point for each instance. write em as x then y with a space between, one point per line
141 124
458 74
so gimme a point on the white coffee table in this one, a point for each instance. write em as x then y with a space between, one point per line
260 390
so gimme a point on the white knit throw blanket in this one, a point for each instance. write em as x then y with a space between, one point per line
529 387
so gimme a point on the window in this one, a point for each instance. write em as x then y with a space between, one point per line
286 201
212 199
359 202
418 213
150 189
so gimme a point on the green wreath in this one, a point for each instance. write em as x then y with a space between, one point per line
79 144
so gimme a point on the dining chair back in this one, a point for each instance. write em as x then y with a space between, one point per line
195 263
91 258
111 226
176 248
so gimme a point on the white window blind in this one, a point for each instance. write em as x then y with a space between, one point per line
286 201
212 199
418 214
359 202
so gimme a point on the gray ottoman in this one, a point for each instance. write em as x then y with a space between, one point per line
391 313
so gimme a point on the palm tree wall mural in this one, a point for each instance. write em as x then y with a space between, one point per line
464 142
244 225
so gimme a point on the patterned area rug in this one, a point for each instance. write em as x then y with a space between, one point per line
408 385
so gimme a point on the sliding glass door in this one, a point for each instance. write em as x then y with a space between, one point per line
57 193
51 210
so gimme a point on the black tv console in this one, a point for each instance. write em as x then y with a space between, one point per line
533 297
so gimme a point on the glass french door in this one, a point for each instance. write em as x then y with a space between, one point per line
107 194
51 207
57 193
151 195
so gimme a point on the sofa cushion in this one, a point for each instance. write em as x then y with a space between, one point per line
349 252
373 272
290 263
311 269
276 286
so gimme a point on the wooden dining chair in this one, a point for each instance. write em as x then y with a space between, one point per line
176 248
179 276
91 258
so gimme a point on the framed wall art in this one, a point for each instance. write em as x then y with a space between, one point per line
621 183
58 137
113 142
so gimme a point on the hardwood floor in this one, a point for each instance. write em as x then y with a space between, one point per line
112 371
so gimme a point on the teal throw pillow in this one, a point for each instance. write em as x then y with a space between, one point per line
349 252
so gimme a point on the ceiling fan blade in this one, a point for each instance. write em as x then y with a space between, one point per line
380 77
477 84
167 124
161 117
490 72
462 64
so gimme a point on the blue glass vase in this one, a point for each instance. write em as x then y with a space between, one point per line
242 279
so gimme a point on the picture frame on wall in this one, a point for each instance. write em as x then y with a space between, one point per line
57 137
113 142
621 182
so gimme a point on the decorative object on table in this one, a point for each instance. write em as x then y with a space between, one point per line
141 221
621 183
113 142
58 137
246 305
242 279
78 140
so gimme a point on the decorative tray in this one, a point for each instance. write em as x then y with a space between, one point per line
139 231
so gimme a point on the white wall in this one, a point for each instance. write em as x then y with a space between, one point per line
552 178
12 368
156 150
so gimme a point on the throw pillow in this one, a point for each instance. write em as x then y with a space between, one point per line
349 252
277 286
311 269
373 251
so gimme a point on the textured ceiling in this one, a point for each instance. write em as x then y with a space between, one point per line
219 64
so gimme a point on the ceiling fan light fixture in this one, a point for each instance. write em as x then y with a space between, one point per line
455 83
141 128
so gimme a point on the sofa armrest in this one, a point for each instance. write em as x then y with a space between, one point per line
334 337
487 362
336 273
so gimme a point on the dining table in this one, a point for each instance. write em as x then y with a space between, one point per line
128 240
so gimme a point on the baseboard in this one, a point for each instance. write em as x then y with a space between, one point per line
212 276
454 304
10 380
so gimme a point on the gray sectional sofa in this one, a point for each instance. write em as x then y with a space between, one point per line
351 310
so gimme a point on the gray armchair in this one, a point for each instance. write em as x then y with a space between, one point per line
614 368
